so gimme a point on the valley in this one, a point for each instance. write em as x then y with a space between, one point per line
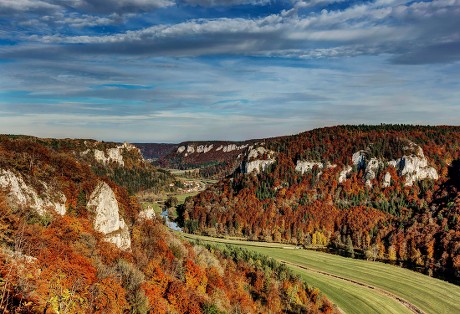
229 157
247 211
358 286
397 202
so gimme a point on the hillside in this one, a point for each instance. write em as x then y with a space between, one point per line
154 151
121 162
215 159
388 192
73 241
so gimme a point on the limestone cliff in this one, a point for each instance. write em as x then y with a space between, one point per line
110 155
413 166
191 148
147 214
345 173
305 165
107 220
22 194
258 159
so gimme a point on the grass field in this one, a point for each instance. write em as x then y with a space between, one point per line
428 294
181 197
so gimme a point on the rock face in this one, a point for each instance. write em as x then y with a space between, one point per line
203 149
305 165
256 164
24 195
111 155
181 149
413 166
107 219
345 173
359 159
372 168
232 147
386 180
147 214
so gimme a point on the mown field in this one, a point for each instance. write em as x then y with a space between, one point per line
352 293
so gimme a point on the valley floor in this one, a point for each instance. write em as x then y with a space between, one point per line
359 286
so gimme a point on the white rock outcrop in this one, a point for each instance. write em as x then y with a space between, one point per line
190 149
204 148
359 159
372 167
25 195
345 173
147 214
104 205
230 147
181 149
386 180
305 165
114 154
414 167
256 164
256 152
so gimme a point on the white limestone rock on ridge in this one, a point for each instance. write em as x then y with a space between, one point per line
359 159
204 148
147 214
343 175
303 166
25 195
256 164
107 219
370 173
114 154
386 180
413 165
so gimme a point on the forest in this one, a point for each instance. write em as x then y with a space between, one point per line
416 225
52 263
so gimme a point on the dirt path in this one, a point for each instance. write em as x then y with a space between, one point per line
406 303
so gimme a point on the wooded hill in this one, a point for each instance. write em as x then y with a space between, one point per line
121 162
154 151
388 191
214 159
73 241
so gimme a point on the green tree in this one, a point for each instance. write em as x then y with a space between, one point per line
171 201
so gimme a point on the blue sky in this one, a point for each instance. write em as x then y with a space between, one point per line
175 70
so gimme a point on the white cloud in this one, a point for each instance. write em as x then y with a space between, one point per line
212 3
118 6
25 5
372 28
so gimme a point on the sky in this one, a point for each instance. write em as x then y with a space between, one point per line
177 70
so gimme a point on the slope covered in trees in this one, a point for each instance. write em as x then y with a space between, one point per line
154 151
388 191
214 159
121 163
60 260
